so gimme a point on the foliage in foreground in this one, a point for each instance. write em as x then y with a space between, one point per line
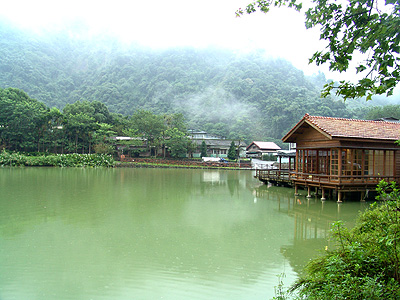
365 264
58 160
367 28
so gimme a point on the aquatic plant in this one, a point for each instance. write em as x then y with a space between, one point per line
59 160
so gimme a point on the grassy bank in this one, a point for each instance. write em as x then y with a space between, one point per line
15 159
180 163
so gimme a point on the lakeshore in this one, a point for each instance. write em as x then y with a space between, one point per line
180 163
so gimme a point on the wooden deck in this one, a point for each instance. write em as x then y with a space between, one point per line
345 183
321 181
275 176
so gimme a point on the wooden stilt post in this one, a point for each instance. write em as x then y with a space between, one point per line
296 193
323 194
362 196
309 192
339 199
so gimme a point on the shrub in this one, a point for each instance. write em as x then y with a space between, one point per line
365 264
12 159
60 160
269 157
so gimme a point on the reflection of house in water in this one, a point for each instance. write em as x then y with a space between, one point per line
312 221
212 176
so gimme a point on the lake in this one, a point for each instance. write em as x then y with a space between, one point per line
70 233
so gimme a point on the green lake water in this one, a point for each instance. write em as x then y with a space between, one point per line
154 234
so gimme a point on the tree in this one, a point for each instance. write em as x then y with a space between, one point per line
149 126
366 27
232 151
175 132
21 120
203 149
383 112
101 112
56 132
102 144
80 126
177 142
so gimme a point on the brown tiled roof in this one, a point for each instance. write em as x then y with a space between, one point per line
351 128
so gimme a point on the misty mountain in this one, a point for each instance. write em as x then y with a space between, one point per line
237 95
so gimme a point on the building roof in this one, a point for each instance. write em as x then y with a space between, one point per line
265 146
217 143
346 128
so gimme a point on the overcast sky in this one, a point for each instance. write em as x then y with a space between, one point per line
169 23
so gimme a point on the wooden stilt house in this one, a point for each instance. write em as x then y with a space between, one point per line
344 155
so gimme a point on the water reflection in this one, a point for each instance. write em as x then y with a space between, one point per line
153 233
313 221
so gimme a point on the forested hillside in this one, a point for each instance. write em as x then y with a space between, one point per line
231 94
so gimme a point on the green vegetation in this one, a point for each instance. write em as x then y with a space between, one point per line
365 262
269 157
83 127
363 27
203 149
58 160
238 96
232 153
377 112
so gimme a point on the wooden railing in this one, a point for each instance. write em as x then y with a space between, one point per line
274 175
288 175
342 179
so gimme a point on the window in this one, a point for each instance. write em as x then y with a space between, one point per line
346 161
311 161
357 162
379 163
389 163
300 160
367 157
335 162
323 161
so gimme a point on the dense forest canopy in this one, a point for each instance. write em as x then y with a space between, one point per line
236 95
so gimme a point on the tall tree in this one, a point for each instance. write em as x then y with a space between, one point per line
21 120
80 127
177 142
56 133
203 149
366 27
150 126
232 151
175 136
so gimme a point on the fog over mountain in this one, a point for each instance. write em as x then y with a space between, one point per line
222 91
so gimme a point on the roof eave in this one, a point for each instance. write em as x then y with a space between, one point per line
287 137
